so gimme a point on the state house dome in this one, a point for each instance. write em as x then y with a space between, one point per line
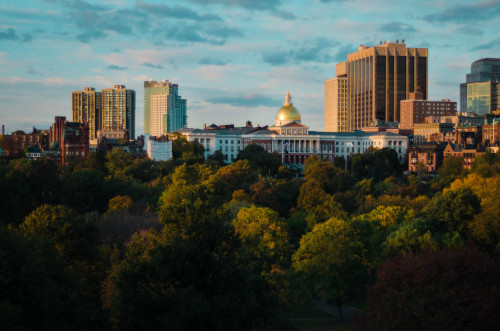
288 113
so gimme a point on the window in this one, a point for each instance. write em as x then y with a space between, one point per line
226 148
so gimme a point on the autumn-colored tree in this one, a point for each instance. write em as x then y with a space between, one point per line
264 237
120 203
443 290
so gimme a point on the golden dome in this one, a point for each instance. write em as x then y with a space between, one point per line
288 112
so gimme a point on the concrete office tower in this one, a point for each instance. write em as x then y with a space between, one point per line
481 91
336 103
118 110
87 109
164 109
379 77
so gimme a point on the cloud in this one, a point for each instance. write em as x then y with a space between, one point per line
343 51
115 67
272 6
27 38
470 30
88 36
247 4
215 34
151 65
212 61
396 27
9 34
494 44
317 50
33 72
247 100
177 12
475 12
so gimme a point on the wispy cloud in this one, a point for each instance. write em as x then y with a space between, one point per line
246 100
151 65
115 67
475 12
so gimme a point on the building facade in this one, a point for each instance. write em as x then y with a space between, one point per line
118 110
379 77
478 97
415 109
336 102
293 140
158 148
86 106
164 109
71 138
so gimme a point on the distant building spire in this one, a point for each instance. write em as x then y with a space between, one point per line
288 99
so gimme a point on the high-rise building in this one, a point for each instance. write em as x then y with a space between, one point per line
118 110
87 109
336 103
378 78
481 91
164 109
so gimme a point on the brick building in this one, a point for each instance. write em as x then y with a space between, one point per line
72 138
416 109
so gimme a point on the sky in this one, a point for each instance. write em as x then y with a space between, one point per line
234 60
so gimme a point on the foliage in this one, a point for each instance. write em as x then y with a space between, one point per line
451 169
447 289
375 163
187 284
330 258
264 237
261 160
453 210
37 291
120 203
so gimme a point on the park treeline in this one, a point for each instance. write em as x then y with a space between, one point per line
109 242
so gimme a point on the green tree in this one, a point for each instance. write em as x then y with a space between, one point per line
117 161
453 210
37 291
330 258
264 237
451 169
261 160
188 283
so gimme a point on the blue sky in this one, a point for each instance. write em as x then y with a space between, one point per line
234 60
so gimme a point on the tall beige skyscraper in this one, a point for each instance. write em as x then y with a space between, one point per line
87 109
118 109
164 109
336 102
378 78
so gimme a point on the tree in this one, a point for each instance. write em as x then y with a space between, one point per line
187 283
76 240
330 258
120 203
261 160
264 237
454 210
451 169
443 290
117 161
37 290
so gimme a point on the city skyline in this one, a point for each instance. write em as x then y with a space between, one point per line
234 59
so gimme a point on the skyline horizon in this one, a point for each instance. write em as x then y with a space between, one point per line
233 60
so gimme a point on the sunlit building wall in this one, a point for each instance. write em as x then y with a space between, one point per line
86 106
118 109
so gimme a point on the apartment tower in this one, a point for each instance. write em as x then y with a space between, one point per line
118 110
87 109
378 78
164 109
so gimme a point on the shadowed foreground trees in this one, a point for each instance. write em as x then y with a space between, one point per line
443 290
36 290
